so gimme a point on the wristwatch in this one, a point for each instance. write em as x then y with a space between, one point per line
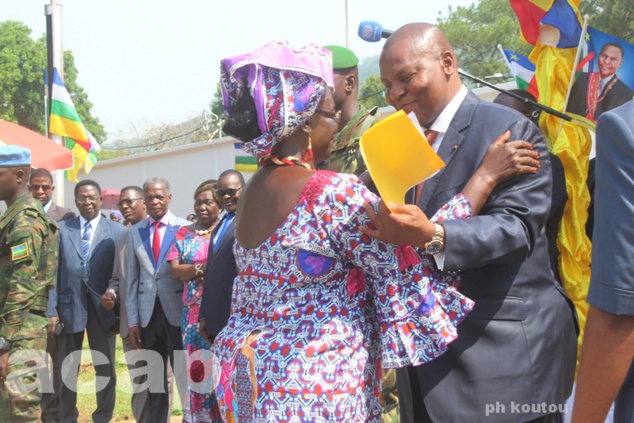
5 344
437 243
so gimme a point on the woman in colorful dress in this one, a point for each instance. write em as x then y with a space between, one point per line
188 258
318 307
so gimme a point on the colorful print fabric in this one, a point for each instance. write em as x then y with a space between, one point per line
326 307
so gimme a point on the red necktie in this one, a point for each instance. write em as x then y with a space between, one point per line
156 241
431 138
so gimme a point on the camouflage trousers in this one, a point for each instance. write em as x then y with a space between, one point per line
389 396
20 394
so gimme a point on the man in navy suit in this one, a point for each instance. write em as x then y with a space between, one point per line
86 259
42 188
518 345
608 346
221 265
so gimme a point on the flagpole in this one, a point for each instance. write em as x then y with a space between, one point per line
506 59
53 13
574 67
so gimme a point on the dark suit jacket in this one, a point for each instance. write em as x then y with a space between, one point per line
215 306
76 285
519 342
618 95
59 213
558 204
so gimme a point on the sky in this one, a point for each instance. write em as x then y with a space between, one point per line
155 62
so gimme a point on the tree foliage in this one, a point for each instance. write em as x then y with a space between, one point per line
614 17
475 31
371 92
22 65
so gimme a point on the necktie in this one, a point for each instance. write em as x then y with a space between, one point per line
431 138
85 243
156 241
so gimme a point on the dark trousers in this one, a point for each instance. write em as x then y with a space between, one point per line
160 336
100 340
412 406
624 404
50 400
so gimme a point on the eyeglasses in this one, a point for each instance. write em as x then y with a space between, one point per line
205 202
229 191
127 202
44 188
84 200
336 116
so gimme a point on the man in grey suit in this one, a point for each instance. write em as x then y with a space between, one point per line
608 346
154 297
42 188
215 305
86 259
518 345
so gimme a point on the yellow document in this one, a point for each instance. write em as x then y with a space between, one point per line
398 156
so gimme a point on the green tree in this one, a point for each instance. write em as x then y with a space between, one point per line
22 65
371 92
475 31
615 17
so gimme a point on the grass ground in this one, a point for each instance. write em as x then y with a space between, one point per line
86 403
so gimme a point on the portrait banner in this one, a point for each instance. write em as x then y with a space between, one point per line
604 77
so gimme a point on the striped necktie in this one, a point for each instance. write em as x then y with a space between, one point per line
85 243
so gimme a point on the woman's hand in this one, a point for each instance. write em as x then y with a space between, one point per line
406 225
505 160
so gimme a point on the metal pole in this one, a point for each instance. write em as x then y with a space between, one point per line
53 14
348 26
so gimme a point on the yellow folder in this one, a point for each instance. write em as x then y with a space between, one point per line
398 156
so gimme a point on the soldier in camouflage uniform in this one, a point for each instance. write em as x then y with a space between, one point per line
28 265
346 158
355 119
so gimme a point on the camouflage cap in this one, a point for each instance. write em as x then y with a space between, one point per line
14 156
342 58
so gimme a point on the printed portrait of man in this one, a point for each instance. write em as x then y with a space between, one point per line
596 92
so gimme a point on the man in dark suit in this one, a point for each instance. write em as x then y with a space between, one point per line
518 345
596 92
86 259
153 296
221 269
608 346
42 188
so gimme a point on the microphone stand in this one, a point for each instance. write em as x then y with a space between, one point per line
519 97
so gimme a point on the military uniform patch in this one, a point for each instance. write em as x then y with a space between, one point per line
20 251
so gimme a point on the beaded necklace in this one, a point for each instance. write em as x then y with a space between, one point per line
284 161
203 232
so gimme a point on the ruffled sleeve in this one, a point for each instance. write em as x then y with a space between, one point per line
417 309
175 250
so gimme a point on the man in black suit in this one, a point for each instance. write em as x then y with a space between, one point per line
518 345
596 92
221 269
42 188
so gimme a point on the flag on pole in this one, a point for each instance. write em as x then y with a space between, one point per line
65 122
561 14
554 56
523 70
244 161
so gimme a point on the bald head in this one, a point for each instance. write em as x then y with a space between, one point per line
420 71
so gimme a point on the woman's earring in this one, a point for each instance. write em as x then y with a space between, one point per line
308 154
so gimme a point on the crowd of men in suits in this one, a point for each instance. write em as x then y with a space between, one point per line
109 281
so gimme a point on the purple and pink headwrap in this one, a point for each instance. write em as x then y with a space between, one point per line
285 84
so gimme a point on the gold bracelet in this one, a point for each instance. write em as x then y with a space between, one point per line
199 270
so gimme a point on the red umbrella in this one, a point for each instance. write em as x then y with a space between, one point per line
45 153
110 198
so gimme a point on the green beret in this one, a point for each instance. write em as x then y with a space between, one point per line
14 156
342 58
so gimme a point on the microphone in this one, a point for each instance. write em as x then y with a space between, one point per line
373 31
